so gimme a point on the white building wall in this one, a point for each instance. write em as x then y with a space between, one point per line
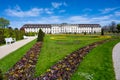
55 29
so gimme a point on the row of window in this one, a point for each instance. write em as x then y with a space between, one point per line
62 30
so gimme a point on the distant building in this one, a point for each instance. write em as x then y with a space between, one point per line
62 28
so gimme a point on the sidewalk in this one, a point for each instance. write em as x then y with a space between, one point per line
116 60
6 49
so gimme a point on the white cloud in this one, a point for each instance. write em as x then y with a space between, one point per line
48 11
117 13
102 17
78 19
20 13
57 5
103 20
65 4
107 10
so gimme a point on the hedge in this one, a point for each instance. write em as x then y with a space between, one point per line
5 33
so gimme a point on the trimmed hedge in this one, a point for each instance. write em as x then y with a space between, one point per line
5 33
31 34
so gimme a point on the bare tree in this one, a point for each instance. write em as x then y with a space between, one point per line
113 26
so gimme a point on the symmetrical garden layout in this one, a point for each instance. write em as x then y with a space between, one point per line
59 59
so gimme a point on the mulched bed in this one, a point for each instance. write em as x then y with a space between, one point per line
64 68
24 68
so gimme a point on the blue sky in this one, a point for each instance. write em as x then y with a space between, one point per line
21 12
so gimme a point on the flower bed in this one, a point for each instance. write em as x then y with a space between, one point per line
64 68
24 68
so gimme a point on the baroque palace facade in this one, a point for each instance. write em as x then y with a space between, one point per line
62 28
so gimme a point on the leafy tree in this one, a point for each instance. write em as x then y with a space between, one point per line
16 29
41 35
1 36
4 23
118 27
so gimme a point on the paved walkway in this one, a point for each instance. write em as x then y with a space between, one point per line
116 60
6 49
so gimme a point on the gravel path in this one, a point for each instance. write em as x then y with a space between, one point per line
6 49
116 60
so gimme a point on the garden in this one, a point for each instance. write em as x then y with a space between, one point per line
62 57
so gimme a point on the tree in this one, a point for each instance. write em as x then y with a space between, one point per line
1 76
112 26
4 23
102 31
41 35
106 28
16 29
118 27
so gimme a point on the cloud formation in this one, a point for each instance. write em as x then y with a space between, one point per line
57 4
103 20
18 12
107 10
117 13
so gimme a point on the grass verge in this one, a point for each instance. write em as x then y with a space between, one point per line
8 61
97 65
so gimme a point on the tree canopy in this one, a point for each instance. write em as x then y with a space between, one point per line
41 35
4 23
113 26
118 27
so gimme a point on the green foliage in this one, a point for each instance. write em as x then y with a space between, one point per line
4 23
2 36
31 34
102 32
5 33
1 75
118 27
41 35
85 33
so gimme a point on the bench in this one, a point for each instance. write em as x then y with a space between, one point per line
25 37
10 40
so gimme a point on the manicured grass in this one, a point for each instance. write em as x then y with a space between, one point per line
8 61
56 47
97 65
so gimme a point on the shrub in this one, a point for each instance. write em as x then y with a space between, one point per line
31 34
41 35
5 33
102 32
1 36
1 76
85 33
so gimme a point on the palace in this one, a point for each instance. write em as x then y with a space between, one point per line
62 28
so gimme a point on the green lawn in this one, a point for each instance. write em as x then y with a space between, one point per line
56 47
8 61
97 65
